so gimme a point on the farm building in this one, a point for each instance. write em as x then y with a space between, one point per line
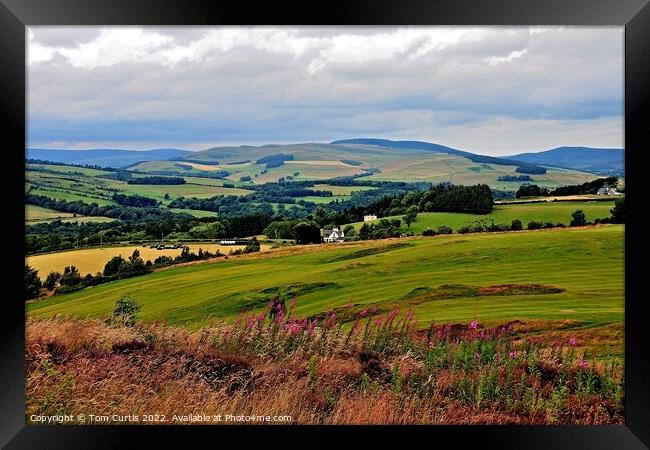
369 217
606 190
333 235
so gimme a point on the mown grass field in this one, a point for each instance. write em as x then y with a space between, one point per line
585 265
92 260
505 213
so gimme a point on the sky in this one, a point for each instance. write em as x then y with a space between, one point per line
489 90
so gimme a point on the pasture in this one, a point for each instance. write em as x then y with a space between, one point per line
37 214
505 213
92 260
559 274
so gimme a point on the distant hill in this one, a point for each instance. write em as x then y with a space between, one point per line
105 157
427 146
609 161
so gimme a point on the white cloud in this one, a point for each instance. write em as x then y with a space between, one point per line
265 84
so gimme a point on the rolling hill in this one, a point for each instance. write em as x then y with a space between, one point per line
597 160
105 157
372 159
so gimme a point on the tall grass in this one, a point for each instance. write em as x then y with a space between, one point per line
377 370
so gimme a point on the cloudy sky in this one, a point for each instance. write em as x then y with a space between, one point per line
496 90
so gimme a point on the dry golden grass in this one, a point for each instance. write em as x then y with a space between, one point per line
91 367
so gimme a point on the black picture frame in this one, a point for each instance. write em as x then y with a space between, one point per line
15 15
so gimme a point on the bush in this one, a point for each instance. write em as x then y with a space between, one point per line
578 218
428 232
516 225
125 310
535 225
618 211
443 229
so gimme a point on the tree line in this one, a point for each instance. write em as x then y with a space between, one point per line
591 187
157 180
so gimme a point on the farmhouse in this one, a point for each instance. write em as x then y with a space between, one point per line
369 217
333 235
606 190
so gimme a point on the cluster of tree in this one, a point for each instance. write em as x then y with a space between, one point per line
252 247
287 189
274 160
58 235
135 200
499 194
157 180
441 197
534 170
121 212
514 178
442 229
245 178
83 166
482 226
71 280
226 205
591 187
381 230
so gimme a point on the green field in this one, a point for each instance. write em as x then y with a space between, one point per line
505 213
37 214
189 189
586 264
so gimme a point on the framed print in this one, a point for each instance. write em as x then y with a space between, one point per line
381 218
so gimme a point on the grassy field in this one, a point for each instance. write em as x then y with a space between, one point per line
37 214
580 271
505 213
92 260
189 189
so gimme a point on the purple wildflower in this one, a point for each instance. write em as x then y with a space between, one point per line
473 325
513 354
582 364
572 341
477 355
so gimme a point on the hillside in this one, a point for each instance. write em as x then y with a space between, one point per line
586 265
596 160
104 157
372 159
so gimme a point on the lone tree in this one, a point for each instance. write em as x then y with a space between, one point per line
578 218
411 215
618 211
307 233
125 310
113 265
32 282
52 280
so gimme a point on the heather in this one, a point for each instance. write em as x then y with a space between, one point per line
381 368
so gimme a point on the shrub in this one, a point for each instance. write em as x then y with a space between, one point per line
428 232
443 229
516 225
535 225
578 218
125 310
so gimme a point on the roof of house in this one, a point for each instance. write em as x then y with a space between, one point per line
328 233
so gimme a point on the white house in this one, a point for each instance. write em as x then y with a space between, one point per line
369 217
333 235
606 190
